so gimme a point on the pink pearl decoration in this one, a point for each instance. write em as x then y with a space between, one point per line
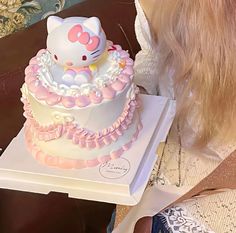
40 52
82 101
128 70
33 61
68 101
118 85
95 98
129 62
124 78
34 68
108 92
53 99
29 78
41 93
124 54
28 70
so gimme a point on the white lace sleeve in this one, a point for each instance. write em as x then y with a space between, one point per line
145 65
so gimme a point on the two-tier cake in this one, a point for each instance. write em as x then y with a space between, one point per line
79 99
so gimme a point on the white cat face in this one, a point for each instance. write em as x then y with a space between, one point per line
76 41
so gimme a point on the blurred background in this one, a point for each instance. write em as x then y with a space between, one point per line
18 14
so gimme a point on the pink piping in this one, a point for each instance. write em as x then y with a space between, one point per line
80 136
49 96
65 163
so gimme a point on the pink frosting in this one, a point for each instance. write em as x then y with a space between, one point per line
33 61
108 92
96 99
68 101
82 101
124 78
118 47
30 78
53 99
33 85
80 136
129 62
118 85
76 34
40 52
50 97
116 154
67 163
128 70
41 93
124 54
28 70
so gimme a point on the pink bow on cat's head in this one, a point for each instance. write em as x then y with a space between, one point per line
76 34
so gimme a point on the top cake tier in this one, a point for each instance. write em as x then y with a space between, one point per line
79 67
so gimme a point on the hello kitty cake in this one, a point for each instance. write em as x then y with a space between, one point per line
80 103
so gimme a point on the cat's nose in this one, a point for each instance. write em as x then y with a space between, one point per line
69 63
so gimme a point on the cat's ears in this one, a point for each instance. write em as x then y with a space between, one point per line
93 24
53 22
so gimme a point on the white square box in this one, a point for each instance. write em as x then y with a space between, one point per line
120 181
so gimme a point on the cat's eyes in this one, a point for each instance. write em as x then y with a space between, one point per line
55 56
84 58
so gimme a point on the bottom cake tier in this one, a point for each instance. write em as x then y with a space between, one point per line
63 153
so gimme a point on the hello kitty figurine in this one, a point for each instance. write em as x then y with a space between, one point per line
75 43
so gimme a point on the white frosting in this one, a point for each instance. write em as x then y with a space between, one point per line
59 117
106 112
79 62
52 75
73 151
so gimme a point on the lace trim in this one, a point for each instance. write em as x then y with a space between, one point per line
218 211
176 219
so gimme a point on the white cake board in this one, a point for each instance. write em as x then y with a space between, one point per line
120 181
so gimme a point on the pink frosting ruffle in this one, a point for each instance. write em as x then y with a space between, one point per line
66 163
46 94
80 136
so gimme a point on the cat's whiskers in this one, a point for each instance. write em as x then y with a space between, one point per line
96 56
95 52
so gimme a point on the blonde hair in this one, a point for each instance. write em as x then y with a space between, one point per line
197 41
